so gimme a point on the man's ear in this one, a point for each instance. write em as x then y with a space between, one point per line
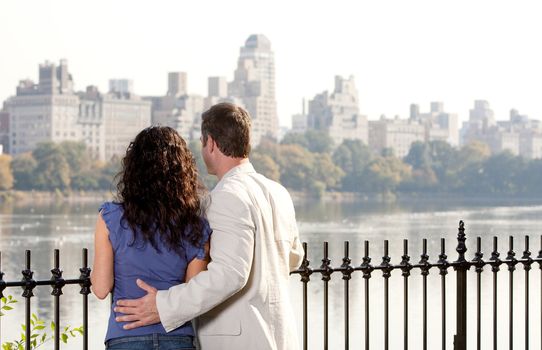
211 144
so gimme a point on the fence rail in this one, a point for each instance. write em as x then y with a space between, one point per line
461 266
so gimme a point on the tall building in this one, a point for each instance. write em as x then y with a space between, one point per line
109 122
254 85
4 129
92 123
300 121
217 91
519 135
47 111
395 134
439 125
124 116
337 113
177 84
178 109
121 86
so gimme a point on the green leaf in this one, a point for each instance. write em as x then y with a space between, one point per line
5 307
3 300
64 338
53 326
43 337
40 327
23 327
34 316
34 335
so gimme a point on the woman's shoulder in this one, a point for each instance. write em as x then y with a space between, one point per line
110 207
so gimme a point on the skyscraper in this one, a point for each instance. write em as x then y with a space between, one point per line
254 85
337 114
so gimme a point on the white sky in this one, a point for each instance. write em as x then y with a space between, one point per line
399 51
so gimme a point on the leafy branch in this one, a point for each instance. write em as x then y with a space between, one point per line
38 330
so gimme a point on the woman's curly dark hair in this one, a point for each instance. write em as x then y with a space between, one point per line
159 189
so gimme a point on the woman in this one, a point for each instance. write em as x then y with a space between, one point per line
154 231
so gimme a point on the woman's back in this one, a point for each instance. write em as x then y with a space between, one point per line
161 267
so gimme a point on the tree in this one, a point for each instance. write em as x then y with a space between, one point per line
529 179
266 166
326 172
352 156
419 155
295 163
23 167
6 176
76 154
293 138
318 141
52 171
384 174
313 140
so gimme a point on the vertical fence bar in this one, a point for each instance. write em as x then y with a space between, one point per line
479 264
461 267
405 268
347 272
57 306
495 263
424 262
85 291
57 285
367 269
386 273
511 262
305 278
527 261
29 285
443 267
326 276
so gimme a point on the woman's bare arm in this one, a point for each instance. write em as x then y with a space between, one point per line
197 265
102 271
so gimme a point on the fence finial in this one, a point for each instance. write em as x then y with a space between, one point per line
461 247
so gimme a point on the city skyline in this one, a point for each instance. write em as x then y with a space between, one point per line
399 53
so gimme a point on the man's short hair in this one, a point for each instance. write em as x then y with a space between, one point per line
229 126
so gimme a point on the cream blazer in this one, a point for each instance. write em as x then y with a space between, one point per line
243 297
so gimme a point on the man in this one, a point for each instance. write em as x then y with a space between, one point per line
243 297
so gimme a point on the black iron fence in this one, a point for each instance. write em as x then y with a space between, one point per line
461 266
57 282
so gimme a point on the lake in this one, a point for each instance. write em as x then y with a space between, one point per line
69 227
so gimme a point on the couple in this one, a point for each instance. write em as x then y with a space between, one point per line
232 270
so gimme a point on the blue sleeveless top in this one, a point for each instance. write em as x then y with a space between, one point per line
161 269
